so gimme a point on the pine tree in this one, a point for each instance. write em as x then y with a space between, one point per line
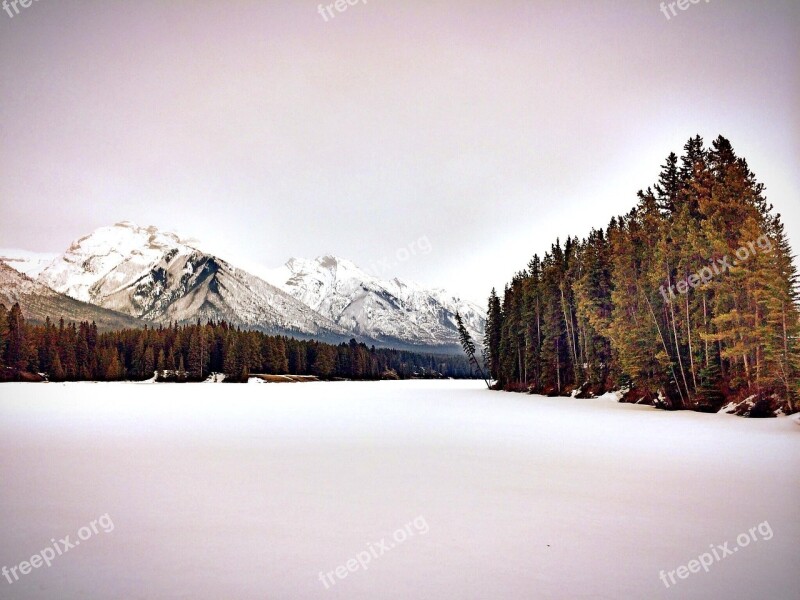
469 346
675 298
16 351
3 334
198 353
669 185
56 372
491 340
324 361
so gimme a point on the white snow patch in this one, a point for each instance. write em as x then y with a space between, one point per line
26 262
615 396
732 407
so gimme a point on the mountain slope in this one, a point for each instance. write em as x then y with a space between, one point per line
156 276
39 302
28 263
383 310
147 274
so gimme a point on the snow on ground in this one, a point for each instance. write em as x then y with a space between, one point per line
251 491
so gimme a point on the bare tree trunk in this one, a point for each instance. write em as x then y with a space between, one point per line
558 364
745 358
705 326
527 346
786 367
677 344
689 334
758 350
570 335
666 350
538 345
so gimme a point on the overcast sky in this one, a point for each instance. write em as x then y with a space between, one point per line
484 128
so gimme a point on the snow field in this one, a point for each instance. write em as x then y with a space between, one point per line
259 491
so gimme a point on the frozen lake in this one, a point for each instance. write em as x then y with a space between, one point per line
268 491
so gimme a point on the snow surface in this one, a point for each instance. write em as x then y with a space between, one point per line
250 491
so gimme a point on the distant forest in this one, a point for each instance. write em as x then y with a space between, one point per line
78 352
689 300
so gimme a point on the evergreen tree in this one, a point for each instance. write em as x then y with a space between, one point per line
469 346
692 297
491 340
3 334
16 351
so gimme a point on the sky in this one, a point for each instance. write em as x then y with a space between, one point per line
443 141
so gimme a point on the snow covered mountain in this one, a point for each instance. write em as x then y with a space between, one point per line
39 302
145 273
28 263
387 311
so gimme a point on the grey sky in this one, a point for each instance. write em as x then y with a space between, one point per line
488 128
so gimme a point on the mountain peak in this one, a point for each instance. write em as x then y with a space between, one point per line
383 310
124 249
328 261
126 224
146 273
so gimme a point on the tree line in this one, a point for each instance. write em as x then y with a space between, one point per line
78 352
690 300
